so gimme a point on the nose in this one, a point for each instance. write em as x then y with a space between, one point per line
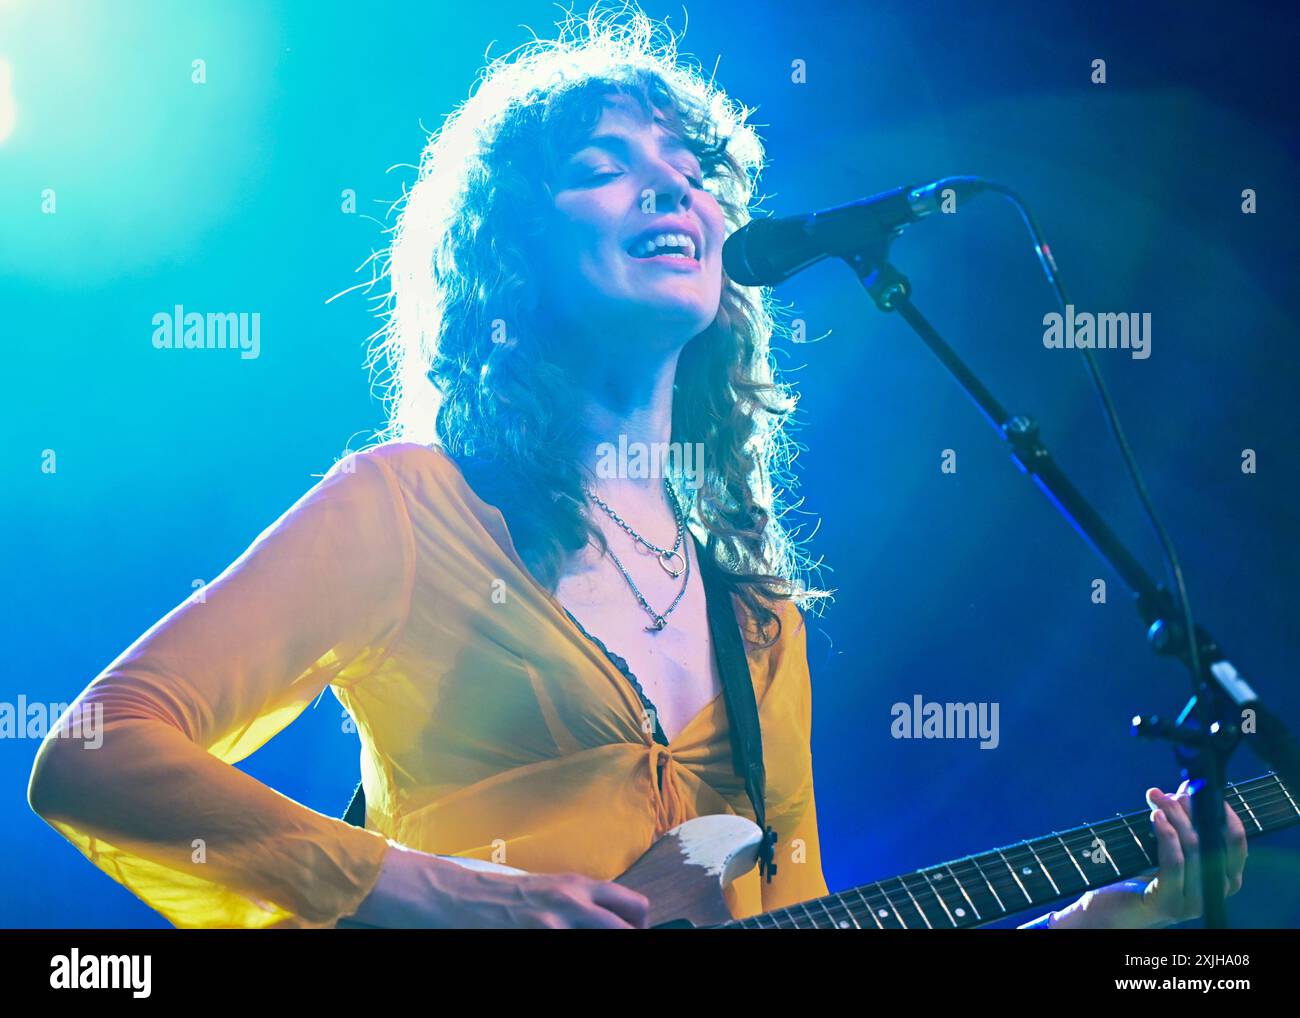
672 190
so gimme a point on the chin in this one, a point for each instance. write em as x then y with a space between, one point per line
691 314
680 324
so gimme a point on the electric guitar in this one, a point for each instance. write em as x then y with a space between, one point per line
685 872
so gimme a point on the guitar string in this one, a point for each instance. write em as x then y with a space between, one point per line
932 898
1261 806
1262 809
1083 838
839 910
1085 834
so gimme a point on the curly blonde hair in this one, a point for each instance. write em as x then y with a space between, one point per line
458 267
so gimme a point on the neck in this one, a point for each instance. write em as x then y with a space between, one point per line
628 409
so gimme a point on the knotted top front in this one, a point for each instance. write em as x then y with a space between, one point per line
666 788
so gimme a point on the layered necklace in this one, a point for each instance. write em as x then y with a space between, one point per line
675 561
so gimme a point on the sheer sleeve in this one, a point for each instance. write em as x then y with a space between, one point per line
798 874
146 790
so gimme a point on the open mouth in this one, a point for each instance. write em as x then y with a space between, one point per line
670 244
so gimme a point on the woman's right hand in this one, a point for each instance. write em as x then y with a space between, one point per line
419 890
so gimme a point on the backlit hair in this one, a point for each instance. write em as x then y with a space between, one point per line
458 277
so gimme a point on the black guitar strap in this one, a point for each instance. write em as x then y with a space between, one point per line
737 694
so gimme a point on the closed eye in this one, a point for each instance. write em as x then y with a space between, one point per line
692 175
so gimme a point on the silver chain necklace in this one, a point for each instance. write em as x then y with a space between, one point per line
666 557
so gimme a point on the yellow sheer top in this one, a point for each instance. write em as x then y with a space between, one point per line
491 725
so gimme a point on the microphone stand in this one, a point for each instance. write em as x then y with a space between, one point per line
1210 725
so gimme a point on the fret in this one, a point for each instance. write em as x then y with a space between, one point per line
1045 871
1034 879
924 918
1104 849
1070 855
899 908
824 914
1134 860
1141 847
1278 782
935 884
848 910
996 897
1029 873
1246 806
889 904
1269 809
812 919
924 894
870 911
957 881
835 923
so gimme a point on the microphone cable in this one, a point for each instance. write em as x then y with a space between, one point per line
1172 562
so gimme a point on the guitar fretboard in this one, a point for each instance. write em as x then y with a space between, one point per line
980 889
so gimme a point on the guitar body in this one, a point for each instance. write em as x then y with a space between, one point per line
685 873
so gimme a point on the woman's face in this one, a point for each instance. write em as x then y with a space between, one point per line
635 247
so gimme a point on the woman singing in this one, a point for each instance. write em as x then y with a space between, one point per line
509 592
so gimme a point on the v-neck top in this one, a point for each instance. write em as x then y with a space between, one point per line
620 662
492 725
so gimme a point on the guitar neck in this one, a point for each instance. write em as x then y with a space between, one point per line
981 889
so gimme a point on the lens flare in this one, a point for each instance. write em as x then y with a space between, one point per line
8 108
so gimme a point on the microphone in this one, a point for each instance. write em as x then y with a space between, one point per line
769 251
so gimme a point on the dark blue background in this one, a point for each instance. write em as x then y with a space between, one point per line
961 587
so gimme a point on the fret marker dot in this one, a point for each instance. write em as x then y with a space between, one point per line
883 913
844 924
960 912
1027 870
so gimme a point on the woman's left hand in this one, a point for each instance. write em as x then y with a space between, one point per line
1173 895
